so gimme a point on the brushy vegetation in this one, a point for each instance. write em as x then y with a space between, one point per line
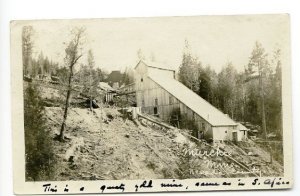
40 159
184 164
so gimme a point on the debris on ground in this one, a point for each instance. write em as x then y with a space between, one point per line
104 144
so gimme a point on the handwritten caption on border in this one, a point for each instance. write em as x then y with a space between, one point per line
168 185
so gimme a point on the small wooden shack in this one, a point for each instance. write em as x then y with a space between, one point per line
159 93
108 90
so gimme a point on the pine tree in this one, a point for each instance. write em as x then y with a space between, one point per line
40 158
27 49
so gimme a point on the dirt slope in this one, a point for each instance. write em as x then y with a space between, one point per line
105 145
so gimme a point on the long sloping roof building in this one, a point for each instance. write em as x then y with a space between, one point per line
196 103
159 93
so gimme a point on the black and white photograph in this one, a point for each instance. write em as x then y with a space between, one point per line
184 103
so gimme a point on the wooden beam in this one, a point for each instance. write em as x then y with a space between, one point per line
121 94
156 122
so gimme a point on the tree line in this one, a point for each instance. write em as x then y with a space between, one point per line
39 66
252 95
87 75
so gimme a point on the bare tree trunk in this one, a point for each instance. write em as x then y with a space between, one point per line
90 95
71 59
90 90
101 116
63 126
263 115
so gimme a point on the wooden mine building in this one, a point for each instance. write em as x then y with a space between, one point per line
159 93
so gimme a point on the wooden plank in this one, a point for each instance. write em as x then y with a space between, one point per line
154 121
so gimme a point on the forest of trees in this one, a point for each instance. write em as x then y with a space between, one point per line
35 66
40 66
242 95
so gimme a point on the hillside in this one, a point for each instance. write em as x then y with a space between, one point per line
105 144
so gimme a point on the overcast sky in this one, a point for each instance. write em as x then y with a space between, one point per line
214 39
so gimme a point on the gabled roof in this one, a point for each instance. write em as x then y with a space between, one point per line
154 65
196 103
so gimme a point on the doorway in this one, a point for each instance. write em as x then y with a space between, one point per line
155 111
234 136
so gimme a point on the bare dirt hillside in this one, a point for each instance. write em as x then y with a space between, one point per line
103 144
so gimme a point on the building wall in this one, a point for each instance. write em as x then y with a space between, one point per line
153 98
229 133
150 95
242 135
161 72
223 133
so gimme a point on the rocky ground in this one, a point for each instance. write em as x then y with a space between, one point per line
103 144
106 144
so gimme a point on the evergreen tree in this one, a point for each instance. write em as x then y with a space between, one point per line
226 86
40 159
258 61
189 70
27 49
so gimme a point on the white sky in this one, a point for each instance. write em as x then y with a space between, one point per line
214 39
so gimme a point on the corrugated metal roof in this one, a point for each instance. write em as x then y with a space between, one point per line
196 103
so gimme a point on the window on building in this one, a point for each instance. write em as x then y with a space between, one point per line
156 101
142 79
203 126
